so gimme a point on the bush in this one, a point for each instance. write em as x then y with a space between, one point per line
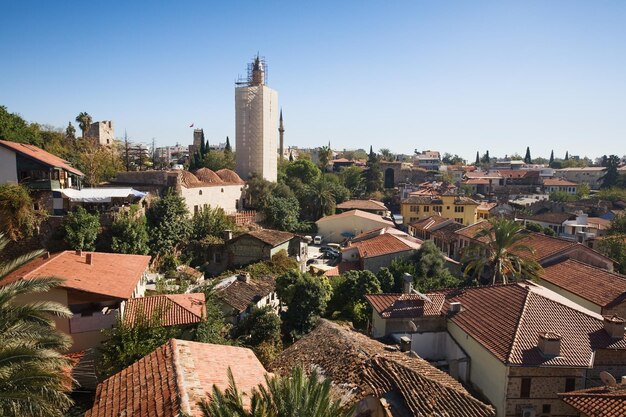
81 229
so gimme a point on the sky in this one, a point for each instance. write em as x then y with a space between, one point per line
453 76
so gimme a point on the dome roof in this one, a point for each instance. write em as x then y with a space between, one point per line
230 176
188 179
208 177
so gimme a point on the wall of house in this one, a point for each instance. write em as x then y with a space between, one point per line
283 246
488 376
375 263
8 166
617 310
439 346
544 386
466 217
247 249
571 296
611 360
331 230
229 197
378 325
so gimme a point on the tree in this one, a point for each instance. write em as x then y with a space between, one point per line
210 222
34 374
84 121
168 224
129 235
260 330
324 155
281 212
348 297
304 170
486 159
293 395
14 128
373 175
527 158
18 218
70 131
81 229
387 155
611 174
306 297
228 148
321 199
614 246
386 280
352 178
500 254
99 163
551 159
477 159
583 190
618 225
450 159
566 155
431 271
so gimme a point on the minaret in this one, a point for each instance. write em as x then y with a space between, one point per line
281 133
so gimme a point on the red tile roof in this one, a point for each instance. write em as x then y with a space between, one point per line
110 274
357 213
430 223
391 306
383 244
269 236
550 217
598 401
229 176
241 294
360 366
40 155
556 182
597 285
174 378
362 205
171 309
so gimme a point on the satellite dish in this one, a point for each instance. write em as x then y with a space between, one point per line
607 379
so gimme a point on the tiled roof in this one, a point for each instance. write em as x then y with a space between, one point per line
360 366
472 230
357 213
486 206
172 380
392 306
270 236
171 309
362 205
207 176
110 274
550 217
422 200
240 294
556 182
476 181
598 401
448 232
383 244
597 285
40 155
430 223
507 320
229 176
342 267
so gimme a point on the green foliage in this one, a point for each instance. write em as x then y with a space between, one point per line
84 121
527 158
129 235
261 330
548 231
348 297
583 190
18 219
611 174
373 176
306 297
353 179
612 194
216 160
14 128
304 170
398 268
534 227
33 372
614 246
324 155
99 163
81 229
386 280
295 395
281 212
210 222
562 196
618 225
431 272
168 224
213 329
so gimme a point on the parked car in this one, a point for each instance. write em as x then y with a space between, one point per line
317 240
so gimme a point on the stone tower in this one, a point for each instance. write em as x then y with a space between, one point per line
256 107
281 136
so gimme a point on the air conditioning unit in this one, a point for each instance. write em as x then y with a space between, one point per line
528 412
454 307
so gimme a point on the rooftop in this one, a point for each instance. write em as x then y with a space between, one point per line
360 366
550 217
270 236
110 274
171 309
556 182
383 244
357 213
171 380
40 155
239 294
598 401
362 205
597 285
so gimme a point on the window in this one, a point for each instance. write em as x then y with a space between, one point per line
570 384
546 408
426 209
459 209
437 209
200 192
195 209
458 220
525 388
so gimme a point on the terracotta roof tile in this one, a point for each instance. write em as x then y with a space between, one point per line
362 205
357 213
360 366
40 155
171 309
111 274
597 285
598 401
172 379
383 244
270 236
240 294
550 217
556 182
391 306
229 176
430 223
207 176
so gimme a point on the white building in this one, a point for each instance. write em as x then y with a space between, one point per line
256 112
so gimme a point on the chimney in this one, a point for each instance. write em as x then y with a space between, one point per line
244 277
455 307
623 380
407 283
614 326
228 235
89 258
549 344
79 252
405 344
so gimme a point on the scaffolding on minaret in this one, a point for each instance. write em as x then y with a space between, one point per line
256 73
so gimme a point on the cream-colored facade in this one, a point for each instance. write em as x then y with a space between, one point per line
226 196
460 209
256 128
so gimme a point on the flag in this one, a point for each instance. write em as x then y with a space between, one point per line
191 125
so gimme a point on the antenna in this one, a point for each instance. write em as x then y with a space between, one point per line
608 379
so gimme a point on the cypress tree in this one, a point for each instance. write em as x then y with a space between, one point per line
477 159
527 158
551 158
567 155
202 145
228 148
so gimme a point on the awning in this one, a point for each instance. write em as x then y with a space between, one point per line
99 195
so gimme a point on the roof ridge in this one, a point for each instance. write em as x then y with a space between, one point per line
518 325
617 274
179 377
173 300
38 267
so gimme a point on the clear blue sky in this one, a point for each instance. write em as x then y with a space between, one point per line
453 76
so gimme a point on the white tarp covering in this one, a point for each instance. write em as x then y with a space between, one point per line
99 195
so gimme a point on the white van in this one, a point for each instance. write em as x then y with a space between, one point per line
317 240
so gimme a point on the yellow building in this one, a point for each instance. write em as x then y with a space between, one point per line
460 209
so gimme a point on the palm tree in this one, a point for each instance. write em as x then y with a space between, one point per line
84 121
501 253
34 376
322 198
295 395
325 154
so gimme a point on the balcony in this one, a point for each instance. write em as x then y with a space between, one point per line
43 184
93 321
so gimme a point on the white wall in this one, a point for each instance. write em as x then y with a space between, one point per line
8 166
331 230
224 196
